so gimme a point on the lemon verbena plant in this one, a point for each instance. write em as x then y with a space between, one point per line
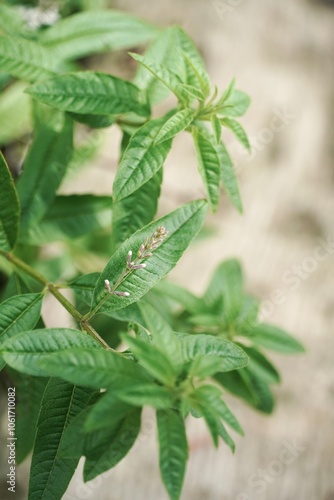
136 339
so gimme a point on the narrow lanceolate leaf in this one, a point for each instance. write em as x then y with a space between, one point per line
227 284
153 360
262 366
182 225
26 60
196 74
197 345
212 395
238 131
165 75
9 208
18 314
50 474
23 351
236 103
70 217
43 171
141 159
89 92
136 210
173 451
103 454
176 123
16 285
228 177
209 167
181 296
216 128
29 392
96 31
274 338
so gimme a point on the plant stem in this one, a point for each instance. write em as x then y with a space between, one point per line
59 296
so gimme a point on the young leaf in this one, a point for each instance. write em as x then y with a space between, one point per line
153 360
212 418
50 474
216 128
182 225
18 314
89 92
274 338
96 31
236 104
209 167
105 454
175 124
173 450
196 74
227 282
26 60
136 210
238 131
165 75
141 159
23 351
43 171
72 216
9 208
212 396
181 296
232 356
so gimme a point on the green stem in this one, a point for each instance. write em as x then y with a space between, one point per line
59 296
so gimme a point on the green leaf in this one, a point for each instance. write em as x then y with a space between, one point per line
72 216
196 74
105 454
216 128
162 335
12 22
9 208
84 286
141 159
107 412
136 210
182 225
144 394
173 451
88 92
227 282
260 365
274 338
232 356
249 386
165 75
93 368
208 166
180 295
236 104
43 171
238 131
212 396
16 285
175 124
50 474
153 360
15 113
26 60
189 93
96 31
212 418
29 392
24 351
18 314
228 177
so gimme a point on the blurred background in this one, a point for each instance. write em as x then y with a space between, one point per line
282 55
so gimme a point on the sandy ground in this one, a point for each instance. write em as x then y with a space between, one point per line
282 54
